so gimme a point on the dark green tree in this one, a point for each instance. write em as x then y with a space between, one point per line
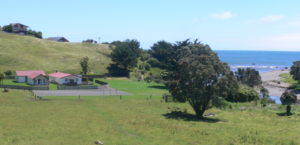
8 72
200 77
35 33
84 63
248 76
295 71
7 28
288 98
124 55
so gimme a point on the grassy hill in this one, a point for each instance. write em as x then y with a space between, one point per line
30 53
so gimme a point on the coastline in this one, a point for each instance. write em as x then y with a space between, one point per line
270 81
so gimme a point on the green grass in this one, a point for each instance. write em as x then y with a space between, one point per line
287 78
67 120
30 53
12 82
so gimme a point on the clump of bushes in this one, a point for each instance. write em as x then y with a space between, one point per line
8 72
244 94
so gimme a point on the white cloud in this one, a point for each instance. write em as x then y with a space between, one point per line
224 15
271 18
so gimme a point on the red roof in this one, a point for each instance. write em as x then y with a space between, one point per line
59 75
29 72
34 75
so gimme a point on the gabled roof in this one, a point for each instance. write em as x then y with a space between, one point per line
59 75
57 38
35 75
29 72
16 24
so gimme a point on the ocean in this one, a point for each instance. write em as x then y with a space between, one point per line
263 61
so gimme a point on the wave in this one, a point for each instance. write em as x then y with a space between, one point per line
261 67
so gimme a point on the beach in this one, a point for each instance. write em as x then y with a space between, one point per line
270 81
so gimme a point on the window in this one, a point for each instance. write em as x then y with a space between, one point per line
66 80
76 79
44 81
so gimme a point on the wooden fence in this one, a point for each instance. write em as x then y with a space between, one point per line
25 87
168 98
76 87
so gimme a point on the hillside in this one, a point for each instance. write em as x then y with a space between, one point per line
30 53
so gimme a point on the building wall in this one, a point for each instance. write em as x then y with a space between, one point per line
16 78
44 80
30 81
21 79
63 80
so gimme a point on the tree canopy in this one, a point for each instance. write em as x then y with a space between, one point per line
7 28
199 76
295 70
84 65
36 34
248 76
126 53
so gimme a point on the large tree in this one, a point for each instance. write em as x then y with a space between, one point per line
84 63
288 98
200 77
125 55
295 70
248 76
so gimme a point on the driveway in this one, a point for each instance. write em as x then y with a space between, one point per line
91 92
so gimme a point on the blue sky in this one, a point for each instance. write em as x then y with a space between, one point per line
224 25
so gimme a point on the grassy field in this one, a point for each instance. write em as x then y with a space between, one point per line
135 120
12 82
286 78
30 53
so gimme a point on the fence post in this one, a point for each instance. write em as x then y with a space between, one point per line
79 96
150 96
120 97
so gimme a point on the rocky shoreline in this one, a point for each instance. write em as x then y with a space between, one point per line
270 81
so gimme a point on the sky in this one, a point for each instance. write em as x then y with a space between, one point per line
271 25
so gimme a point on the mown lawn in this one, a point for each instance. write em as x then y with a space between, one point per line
12 82
135 120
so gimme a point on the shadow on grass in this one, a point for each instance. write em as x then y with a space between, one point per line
113 68
159 87
189 117
284 114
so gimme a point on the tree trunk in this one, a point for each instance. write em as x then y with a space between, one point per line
288 109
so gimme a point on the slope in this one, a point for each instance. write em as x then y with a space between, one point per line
19 52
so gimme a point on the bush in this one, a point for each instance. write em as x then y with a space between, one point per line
141 66
153 61
245 94
36 34
7 28
8 72
147 66
91 79
145 56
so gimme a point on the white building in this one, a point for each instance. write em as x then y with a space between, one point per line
65 79
34 77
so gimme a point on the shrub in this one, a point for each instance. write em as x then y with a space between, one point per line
141 66
8 72
244 94
153 61
7 28
91 79
147 66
